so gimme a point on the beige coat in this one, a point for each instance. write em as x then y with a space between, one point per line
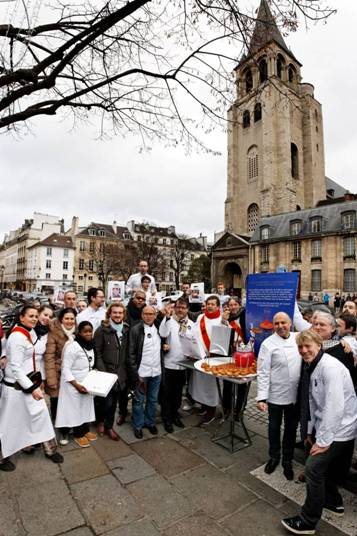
53 357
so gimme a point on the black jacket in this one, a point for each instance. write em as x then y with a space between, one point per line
134 355
111 353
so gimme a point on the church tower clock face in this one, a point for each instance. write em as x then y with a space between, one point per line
275 133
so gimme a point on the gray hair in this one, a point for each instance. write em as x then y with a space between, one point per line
326 316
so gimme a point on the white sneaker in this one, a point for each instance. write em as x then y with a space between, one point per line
64 440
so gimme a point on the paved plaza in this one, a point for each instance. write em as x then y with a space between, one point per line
170 485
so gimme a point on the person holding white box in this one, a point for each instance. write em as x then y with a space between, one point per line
75 405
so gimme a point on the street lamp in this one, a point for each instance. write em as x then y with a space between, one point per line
2 270
85 282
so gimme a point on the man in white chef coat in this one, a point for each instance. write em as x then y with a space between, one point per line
134 281
95 312
328 424
279 368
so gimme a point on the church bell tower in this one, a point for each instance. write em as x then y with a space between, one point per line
275 133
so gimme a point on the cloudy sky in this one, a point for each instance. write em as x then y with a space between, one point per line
66 172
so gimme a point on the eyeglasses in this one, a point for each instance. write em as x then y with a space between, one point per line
139 298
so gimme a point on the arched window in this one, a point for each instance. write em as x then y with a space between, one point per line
257 112
246 119
294 161
292 73
280 66
263 70
253 217
252 164
248 80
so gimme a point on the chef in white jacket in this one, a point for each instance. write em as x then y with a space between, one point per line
134 281
76 406
175 326
329 426
279 368
203 387
24 416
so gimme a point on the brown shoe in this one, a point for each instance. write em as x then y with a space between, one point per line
120 420
91 436
82 442
112 435
100 429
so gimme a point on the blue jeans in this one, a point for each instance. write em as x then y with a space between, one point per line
146 417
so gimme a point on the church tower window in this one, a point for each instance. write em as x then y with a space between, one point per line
248 81
280 66
292 73
253 217
246 119
294 161
252 163
263 70
257 112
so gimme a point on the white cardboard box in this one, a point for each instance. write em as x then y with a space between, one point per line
99 383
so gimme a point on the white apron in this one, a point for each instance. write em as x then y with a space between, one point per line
24 421
202 387
74 408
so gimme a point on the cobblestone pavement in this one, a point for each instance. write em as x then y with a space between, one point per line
170 485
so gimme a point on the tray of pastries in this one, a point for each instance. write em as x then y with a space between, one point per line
225 368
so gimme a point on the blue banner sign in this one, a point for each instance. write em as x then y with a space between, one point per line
268 294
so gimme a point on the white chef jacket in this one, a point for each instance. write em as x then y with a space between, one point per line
299 322
150 365
74 408
134 282
94 316
169 329
333 402
279 368
24 421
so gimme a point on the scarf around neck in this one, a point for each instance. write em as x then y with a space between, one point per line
40 330
211 316
69 332
86 345
118 328
305 416
182 322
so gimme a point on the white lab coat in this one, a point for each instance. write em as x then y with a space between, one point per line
24 421
94 316
134 282
74 408
333 402
202 387
170 329
40 348
279 368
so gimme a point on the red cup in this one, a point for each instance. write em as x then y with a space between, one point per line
244 359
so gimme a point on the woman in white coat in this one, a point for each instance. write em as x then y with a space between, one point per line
75 405
203 388
24 416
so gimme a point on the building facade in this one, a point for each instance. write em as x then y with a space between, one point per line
276 171
50 264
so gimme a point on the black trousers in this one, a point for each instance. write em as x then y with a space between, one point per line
81 430
53 408
323 473
276 414
106 407
171 394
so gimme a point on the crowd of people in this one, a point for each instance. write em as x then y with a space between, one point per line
306 376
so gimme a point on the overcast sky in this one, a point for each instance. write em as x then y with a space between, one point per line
67 172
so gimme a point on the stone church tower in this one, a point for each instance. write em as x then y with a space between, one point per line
275 138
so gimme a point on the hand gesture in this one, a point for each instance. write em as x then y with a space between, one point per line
81 389
262 406
37 394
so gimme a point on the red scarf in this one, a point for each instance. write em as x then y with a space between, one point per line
20 329
233 324
204 333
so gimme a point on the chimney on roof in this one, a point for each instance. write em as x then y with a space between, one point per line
74 226
115 227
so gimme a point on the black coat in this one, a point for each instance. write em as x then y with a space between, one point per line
135 353
111 353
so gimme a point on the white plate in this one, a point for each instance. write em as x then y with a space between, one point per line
213 361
